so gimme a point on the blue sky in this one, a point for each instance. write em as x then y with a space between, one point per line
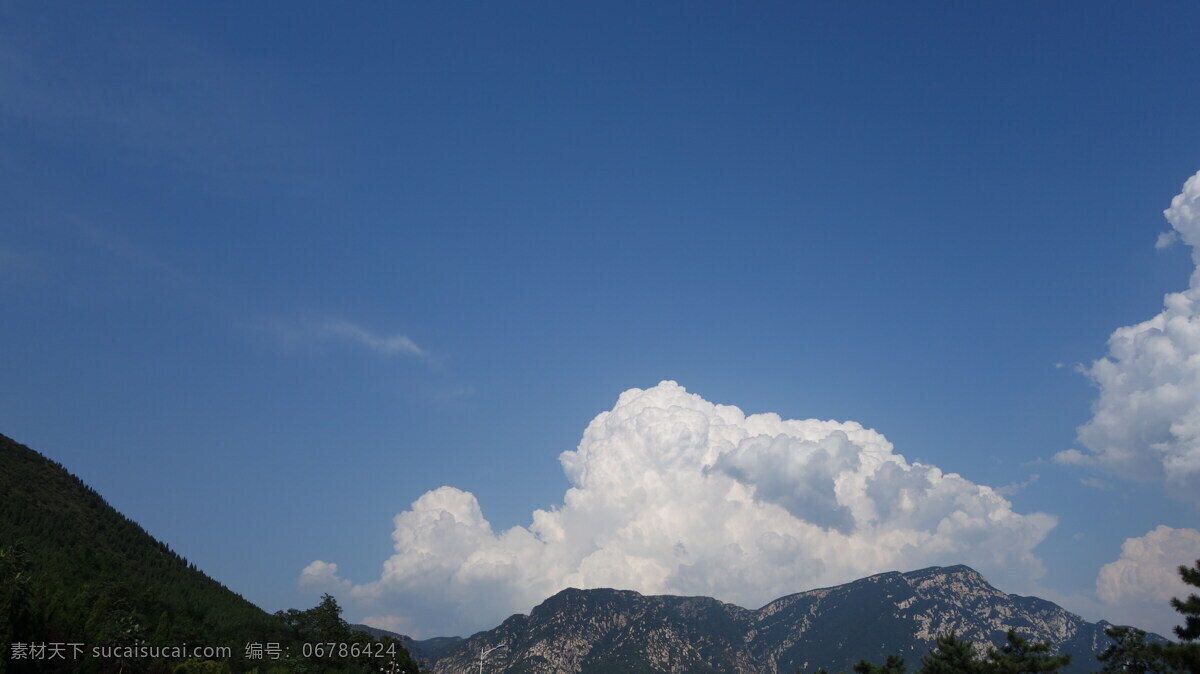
269 274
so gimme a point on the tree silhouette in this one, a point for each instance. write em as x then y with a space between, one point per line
951 656
1018 656
893 665
1185 656
1131 653
1190 607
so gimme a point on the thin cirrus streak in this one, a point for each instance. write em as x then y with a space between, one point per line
313 333
387 345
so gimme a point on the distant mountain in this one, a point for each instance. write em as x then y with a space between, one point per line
425 650
600 631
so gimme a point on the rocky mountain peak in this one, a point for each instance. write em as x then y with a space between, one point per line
607 630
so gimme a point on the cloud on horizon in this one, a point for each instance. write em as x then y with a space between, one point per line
673 494
1140 584
1146 422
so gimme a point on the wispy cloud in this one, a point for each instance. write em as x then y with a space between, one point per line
1010 489
323 331
1166 239
1096 483
386 345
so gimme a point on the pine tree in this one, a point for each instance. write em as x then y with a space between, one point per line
1019 656
1185 656
16 588
1190 607
1131 653
951 656
893 665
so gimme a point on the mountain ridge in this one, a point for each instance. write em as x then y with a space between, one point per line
602 630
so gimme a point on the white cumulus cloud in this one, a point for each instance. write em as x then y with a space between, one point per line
1139 586
673 494
322 576
1146 421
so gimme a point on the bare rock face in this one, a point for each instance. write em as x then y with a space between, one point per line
598 631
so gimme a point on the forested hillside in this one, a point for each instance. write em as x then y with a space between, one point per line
75 571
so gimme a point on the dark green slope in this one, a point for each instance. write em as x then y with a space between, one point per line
82 572
74 570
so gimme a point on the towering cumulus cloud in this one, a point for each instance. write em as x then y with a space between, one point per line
1146 422
673 494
